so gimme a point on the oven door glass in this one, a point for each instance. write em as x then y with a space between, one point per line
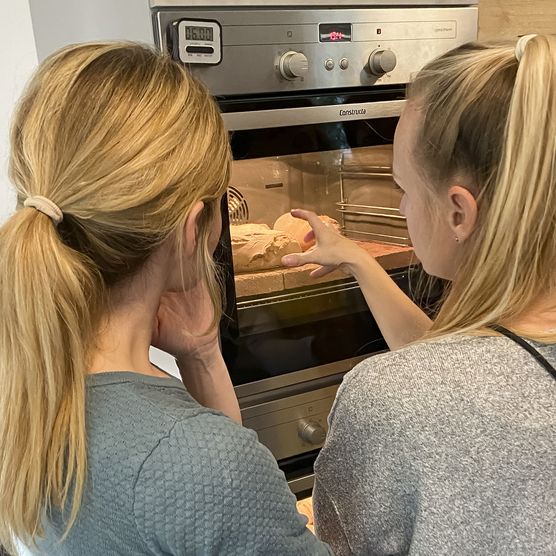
300 153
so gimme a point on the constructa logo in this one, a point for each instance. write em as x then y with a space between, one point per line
353 112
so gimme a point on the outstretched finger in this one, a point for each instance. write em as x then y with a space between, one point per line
299 259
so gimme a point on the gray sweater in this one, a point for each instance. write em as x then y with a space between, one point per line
169 477
442 448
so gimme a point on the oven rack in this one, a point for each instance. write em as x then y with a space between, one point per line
384 214
372 211
352 210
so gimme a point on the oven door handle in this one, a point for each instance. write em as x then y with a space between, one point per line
308 115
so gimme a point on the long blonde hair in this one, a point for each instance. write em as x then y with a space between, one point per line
490 118
125 142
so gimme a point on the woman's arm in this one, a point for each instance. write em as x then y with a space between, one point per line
400 320
206 378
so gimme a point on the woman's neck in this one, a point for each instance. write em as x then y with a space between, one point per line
124 338
539 320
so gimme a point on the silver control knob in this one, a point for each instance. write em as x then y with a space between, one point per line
312 432
293 65
382 61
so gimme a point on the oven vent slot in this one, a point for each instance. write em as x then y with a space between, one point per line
238 208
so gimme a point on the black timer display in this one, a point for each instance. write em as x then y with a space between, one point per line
199 34
335 32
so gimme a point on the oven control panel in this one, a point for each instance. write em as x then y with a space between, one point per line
312 432
253 51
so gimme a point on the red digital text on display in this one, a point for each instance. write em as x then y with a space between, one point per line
336 36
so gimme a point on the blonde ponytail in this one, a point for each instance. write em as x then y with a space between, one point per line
48 298
124 142
493 119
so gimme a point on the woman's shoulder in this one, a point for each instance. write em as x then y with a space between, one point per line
196 441
163 422
446 371
444 353
439 367
216 433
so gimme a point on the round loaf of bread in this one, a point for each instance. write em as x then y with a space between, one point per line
298 228
256 247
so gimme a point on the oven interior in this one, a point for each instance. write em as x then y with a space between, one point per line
283 320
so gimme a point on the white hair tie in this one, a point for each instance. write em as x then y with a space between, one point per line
46 206
521 44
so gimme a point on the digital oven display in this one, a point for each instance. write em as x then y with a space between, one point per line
199 34
335 32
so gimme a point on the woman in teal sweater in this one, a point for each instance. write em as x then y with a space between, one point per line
120 160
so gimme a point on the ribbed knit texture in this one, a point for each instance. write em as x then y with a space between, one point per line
442 448
169 477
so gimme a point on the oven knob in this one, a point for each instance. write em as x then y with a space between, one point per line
293 65
382 61
312 432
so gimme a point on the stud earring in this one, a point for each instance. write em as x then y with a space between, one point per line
457 239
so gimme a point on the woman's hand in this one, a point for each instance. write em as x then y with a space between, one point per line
332 250
184 326
399 319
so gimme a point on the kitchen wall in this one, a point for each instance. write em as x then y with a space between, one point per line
17 60
506 19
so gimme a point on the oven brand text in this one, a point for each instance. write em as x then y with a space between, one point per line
353 112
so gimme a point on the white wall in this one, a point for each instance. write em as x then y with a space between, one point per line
57 23
18 58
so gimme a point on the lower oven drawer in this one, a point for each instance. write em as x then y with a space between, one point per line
294 424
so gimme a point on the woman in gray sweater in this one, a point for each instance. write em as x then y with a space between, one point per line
120 160
447 445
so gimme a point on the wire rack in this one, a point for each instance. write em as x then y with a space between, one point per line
374 222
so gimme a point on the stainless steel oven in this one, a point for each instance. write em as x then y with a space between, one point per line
311 93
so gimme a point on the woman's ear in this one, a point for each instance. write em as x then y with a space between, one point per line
190 228
463 212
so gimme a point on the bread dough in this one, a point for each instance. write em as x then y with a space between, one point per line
298 228
257 247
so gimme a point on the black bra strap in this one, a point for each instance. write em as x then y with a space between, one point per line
526 345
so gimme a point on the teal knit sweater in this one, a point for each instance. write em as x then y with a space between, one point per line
169 477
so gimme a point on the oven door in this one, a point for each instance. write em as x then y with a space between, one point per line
330 153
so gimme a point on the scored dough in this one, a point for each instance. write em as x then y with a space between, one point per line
299 228
257 247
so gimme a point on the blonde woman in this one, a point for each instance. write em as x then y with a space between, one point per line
447 446
120 160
